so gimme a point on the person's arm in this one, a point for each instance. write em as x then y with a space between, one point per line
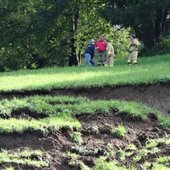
96 46
113 52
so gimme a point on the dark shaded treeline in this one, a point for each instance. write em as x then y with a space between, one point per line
38 33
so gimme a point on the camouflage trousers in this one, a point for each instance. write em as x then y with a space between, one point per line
109 60
133 57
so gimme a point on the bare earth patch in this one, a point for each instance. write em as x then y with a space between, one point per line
98 140
153 95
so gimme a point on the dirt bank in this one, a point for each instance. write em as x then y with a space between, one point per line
154 95
95 143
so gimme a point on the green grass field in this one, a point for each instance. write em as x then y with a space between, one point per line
68 124
149 70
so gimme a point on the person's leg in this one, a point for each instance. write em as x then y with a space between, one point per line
92 62
134 57
87 59
99 61
130 58
103 57
106 63
110 60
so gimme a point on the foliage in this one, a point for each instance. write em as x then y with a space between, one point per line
91 25
32 34
147 18
102 164
162 47
27 29
36 33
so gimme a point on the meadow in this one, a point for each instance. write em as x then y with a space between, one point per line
150 70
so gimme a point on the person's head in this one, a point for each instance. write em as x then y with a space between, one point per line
101 37
106 41
132 36
92 41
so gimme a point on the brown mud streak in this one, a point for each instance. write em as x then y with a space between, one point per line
153 95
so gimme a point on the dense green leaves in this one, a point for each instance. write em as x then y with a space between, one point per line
148 18
39 33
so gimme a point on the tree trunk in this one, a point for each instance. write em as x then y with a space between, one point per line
73 59
161 15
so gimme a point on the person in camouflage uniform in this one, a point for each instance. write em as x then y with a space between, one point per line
109 54
133 50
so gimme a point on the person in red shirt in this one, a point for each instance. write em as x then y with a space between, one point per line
100 47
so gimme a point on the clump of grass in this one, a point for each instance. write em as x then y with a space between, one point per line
26 157
110 150
9 168
95 130
102 164
119 131
163 159
71 159
46 125
157 166
131 147
122 154
76 137
74 162
152 143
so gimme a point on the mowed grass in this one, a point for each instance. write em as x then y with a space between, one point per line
149 70
48 114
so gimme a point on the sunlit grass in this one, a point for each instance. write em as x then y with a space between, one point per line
44 126
149 70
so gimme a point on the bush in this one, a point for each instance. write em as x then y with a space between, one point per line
162 47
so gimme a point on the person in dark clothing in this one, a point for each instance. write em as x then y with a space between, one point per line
89 53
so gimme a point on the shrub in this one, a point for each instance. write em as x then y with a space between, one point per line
162 47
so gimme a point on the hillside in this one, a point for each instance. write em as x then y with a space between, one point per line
96 119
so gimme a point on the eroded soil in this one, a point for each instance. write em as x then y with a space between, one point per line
98 140
153 95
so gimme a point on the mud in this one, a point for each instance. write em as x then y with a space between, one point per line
97 141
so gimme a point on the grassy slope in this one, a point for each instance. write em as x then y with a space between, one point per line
149 70
62 114
59 111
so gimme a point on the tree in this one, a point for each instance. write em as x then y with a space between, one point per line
26 28
38 33
147 17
